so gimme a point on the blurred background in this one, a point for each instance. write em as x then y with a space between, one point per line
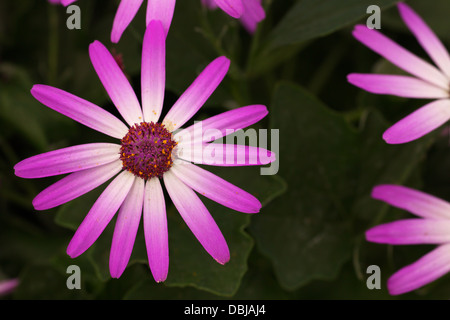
308 240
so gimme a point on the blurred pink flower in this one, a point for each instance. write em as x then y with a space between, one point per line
250 12
156 10
432 227
427 82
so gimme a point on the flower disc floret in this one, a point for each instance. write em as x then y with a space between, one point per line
146 150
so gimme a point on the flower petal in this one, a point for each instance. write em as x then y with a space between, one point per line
414 201
115 83
126 229
125 13
80 110
399 56
425 270
411 231
232 7
218 154
252 15
75 185
67 2
67 160
155 229
419 123
216 188
8 286
100 214
153 73
402 86
197 217
426 37
221 125
211 4
162 11
198 92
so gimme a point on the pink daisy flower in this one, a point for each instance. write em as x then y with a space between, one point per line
149 152
249 12
426 81
432 227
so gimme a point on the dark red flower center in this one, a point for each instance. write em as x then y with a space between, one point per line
146 150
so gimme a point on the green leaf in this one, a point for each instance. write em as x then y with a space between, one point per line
330 168
309 19
305 231
305 21
18 108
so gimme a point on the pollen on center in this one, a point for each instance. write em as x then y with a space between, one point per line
146 150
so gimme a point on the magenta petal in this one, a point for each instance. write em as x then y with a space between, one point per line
419 123
411 231
79 110
425 270
162 11
232 7
124 15
226 122
153 72
197 217
196 95
399 56
75 185
8 286
217 154
100 214
67 2
211 4
402 86
67 160
252 15
155 229
216 188
414 201
426 37
126 229
115 83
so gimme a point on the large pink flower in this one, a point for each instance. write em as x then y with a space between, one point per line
427 81
432 227
250 12
149 151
